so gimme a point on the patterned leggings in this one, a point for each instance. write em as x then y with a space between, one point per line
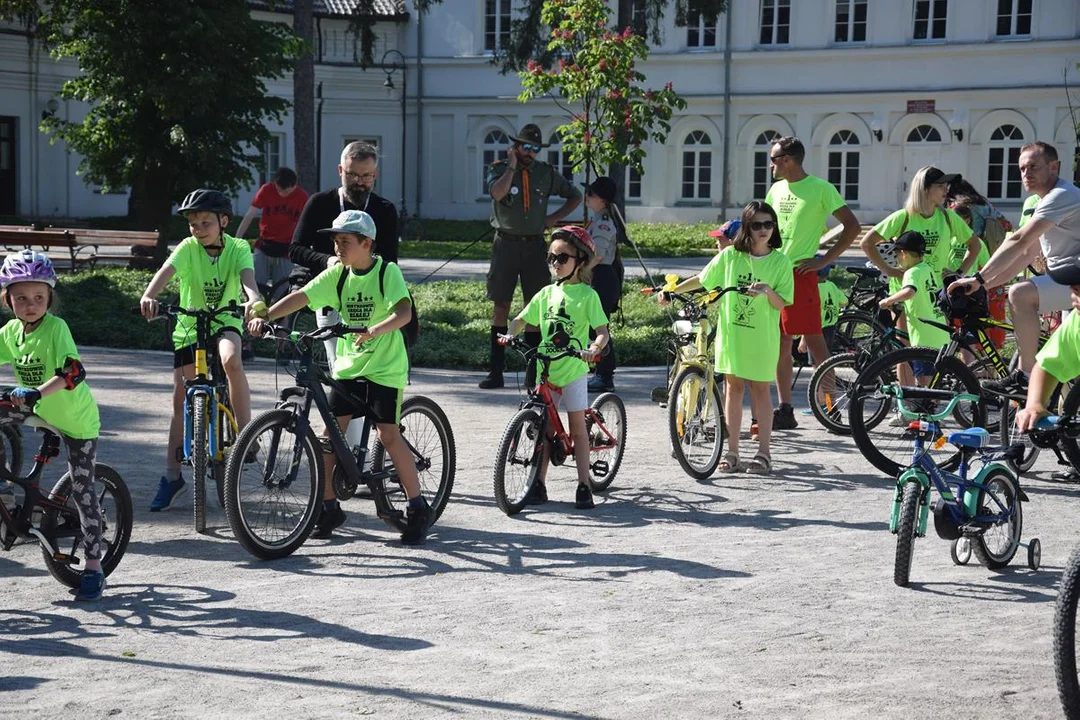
81 454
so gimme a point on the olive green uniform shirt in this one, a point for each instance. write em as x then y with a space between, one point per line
524 209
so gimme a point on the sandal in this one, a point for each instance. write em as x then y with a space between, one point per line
760 465
729 463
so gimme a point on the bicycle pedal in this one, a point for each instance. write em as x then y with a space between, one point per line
62 557
600 468
393 515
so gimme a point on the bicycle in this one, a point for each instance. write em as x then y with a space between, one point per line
537 422
692 333
1068 682
986 511
51 519
274 478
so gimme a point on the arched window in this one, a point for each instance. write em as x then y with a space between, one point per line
844 164
924 133
559 158
1003 166
697 166
495 144
762 165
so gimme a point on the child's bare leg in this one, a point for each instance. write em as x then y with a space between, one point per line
239 391
390 437
761 405
580 435
733 397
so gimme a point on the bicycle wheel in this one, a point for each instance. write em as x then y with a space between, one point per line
517 462
1008 436
854 329
831 409
200 461
11 449
117 513
997 544
880 437
606 448
427 431
226 431
696 422
1065 638
906 531
271 515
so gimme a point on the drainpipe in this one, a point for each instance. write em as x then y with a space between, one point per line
419 109
318 135
726 195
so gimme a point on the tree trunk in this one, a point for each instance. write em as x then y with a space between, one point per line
304 99
152 203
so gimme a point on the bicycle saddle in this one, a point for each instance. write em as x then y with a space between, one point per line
971 438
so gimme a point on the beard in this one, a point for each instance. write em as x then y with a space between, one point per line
358 195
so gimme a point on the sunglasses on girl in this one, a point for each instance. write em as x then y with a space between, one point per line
530 147
560 259
767 225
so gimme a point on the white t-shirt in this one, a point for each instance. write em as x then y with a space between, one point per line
1061 207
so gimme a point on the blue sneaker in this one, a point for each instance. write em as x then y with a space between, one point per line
167 493
91 587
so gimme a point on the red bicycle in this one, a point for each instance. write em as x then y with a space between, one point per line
521 451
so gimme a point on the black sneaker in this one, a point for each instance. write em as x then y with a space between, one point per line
493 381
537 494
783 418
1014 386
328 522
418 523
584 500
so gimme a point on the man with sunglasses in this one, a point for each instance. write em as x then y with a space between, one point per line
520 188
803 203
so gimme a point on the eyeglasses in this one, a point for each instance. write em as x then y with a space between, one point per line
530 147
353 177
767 225
776 157
560 259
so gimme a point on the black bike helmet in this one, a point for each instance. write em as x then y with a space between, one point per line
205 200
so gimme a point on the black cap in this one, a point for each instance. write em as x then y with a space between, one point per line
934 176
603 188
1065 272
911 240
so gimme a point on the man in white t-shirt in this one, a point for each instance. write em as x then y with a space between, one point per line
1056 225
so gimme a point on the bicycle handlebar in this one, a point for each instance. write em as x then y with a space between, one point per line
318 334
687 297
174 311
524 348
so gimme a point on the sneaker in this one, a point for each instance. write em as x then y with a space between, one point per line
167 492
1014 386
783 418
90 587
419 520
583 500
493 381
598 384
328 522
537 494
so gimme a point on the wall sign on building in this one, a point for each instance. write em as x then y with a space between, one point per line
920 106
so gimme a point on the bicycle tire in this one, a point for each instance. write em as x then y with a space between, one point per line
906 532
437 479
12 449
200 451
256 487
883 444
522 444
1004 537
845 369
1070 446
853 330
1065 637
687 428
117 514
226 440
611 413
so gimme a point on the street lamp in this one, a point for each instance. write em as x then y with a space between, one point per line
398 63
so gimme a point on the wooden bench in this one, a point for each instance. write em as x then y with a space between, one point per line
82 244
133 240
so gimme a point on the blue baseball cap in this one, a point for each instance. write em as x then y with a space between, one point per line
357 222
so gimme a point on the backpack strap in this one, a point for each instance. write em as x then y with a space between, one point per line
341 285
382 274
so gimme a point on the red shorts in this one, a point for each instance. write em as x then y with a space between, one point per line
803 315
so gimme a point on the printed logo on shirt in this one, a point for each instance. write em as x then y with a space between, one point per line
829 311
358 309
31 370
744 308
292 213
213 290
559 328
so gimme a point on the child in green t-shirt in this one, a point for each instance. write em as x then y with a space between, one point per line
40 349
372 366
213 269
565 311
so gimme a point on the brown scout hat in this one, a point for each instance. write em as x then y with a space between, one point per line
530 134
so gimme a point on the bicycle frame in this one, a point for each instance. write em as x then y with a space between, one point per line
211 385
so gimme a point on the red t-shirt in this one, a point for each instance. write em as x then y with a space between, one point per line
279 213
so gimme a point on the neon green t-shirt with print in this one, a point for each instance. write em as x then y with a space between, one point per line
1028 210
748 327
35 358
926 284
1060 356
959 250
802 208
565 313
938 230
383 359
832 302
208 283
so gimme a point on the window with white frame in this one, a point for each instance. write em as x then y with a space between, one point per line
700 33
494 149
1014 18
850 21
273 147
1003 164
775 22
762 164
496 24
930 16
633 185
843 164
697 166
923 133
559 158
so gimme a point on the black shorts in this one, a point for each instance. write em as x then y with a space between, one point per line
385 402
186 355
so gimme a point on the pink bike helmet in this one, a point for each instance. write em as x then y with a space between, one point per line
27 266
578 237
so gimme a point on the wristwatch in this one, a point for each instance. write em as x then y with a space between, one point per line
978 276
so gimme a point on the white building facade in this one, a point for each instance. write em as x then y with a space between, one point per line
875 88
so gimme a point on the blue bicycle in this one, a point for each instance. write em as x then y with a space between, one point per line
984 514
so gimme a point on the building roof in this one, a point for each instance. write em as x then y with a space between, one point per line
335 8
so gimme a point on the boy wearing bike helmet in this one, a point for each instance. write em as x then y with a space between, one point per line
565 312
41 351
214 270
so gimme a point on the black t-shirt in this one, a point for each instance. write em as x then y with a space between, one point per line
310 249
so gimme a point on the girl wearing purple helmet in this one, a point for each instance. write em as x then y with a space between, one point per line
39 347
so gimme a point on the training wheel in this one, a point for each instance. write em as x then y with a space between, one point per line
961 551
1034 553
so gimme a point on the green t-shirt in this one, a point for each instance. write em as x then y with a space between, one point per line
939 230
1028 211
384 359
207 283
959 250
1060 356
571 308
832 302
748 328
802 208
926 284
35 358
